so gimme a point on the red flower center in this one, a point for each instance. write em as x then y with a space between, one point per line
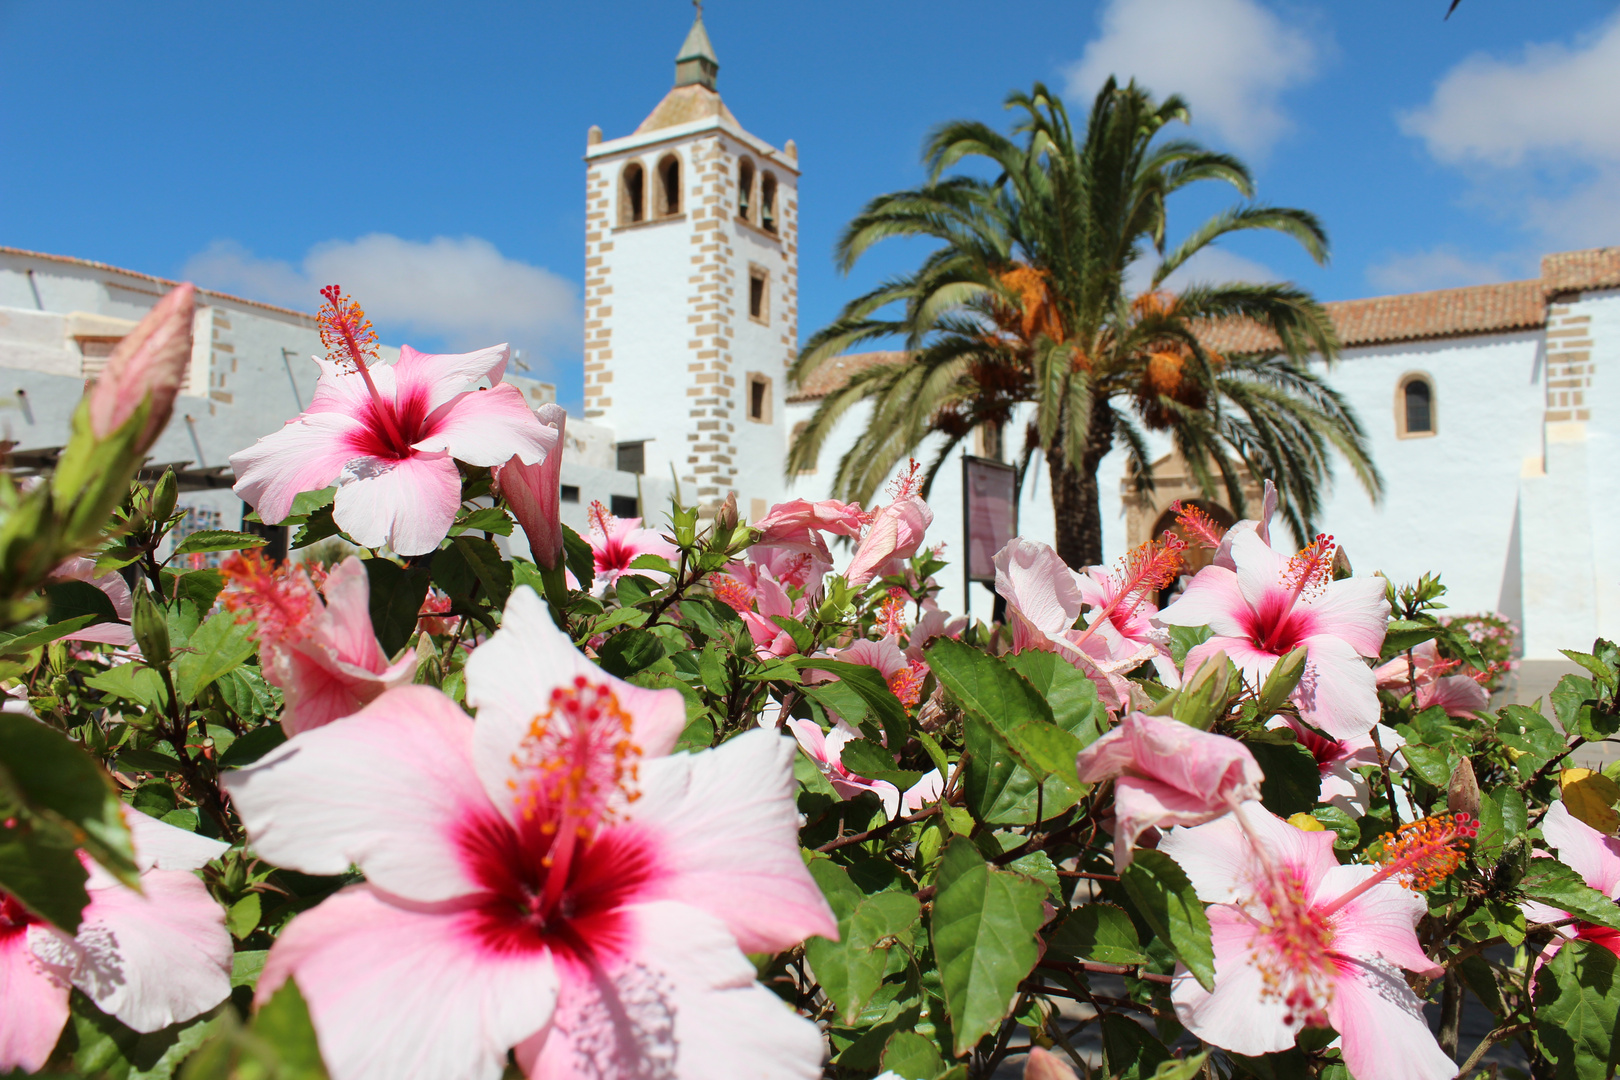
14 918
1277 625
381 419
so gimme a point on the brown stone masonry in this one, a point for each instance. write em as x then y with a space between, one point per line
1569 365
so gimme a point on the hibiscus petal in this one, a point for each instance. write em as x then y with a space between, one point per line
1337 693
1379 922
1355 611
151 960
345 622
510 679
441 376
305 455
1381 1028
687 1008
399 993
1238 1016
731 827
1583 849
1032 578
388 790
160 845
489 428
1213 599
1260 570
408 504
33 1001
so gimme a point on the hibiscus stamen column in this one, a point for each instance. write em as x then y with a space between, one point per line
351 340
1150 567
1421 854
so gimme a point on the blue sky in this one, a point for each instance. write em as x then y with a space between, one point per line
429 155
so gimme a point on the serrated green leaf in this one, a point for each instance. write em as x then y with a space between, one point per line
984 933
37 631
579 557
1552 883
1100 932
873 691
204 540
396 601
1431 765
863 757
243 917
131 682
851 968
220 644
1578 1012
628 652
1404 634
108 1050
65 600
491 519
1129 1052
1071 696
911 1057
1293 782
1347 827
1166 899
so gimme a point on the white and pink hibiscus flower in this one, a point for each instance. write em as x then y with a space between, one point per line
617 542
1459 695
547 880
1272 604
112 583
150 958
1337 762
893 534
903 675
934 624
1301 941
792 539
757 596
321 651
534 493
1045 598
1594 856
826 748
1166 773
390 436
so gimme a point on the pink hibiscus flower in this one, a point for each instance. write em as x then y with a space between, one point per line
1303 941
894 533
545 879
1596 858
826 748
150 958
1271 605
1459 695
617 541
83 568
934 624
770 599
1337 762
323 654
1167 773
390 436
903 675
1044 599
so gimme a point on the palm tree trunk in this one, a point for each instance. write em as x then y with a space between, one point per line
1076 499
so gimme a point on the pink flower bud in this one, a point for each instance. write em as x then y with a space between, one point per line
151 359
533 493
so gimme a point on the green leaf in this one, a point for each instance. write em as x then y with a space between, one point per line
863 757
200 588
1406 634
1100 932
1071 696
868 684
1129 1052
247 966
151 759
1348 828
246 693
1577 1005
1183 639
396 601
220 644
1432 766
39 866
55 787
628 651
652 562
283 1023
1166 899
36 632
307 502
984 933
103 1047
243 917
1293 782
911 1057
986 686
131 682
851 968
488 519
1556 885
317 527
471 566
66 600
217 540
579 557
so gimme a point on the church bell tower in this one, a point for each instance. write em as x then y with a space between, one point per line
691 291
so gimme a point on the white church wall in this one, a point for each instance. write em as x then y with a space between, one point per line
1600 451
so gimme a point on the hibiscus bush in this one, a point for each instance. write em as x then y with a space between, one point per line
702 797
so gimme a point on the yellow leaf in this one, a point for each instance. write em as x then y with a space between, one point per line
1306 823
1591 797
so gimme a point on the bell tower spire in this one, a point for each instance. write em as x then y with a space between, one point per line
696 62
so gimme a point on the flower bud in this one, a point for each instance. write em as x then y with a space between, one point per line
726 517
165 493
1462 793
1045 1065
1203 699
534 493
151 628
150 361
1282 681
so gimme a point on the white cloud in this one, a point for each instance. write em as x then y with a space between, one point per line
1539 134
1231 60
1555 99
1437 268
461 291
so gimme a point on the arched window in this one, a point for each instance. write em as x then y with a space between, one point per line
632 194
669 186
1414 407
767 202
745 190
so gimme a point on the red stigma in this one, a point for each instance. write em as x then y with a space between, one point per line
1311 570
1197 524
908 681
892 616
350 341
906 484
600 517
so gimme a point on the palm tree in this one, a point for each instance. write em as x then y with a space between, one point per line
1025 301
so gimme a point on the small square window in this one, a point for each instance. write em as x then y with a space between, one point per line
759 295
759 398
624 506
632 457
570 493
